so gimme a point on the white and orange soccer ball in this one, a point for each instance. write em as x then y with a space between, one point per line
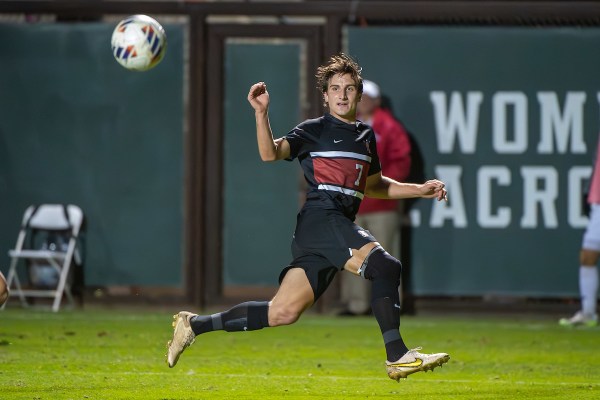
139 43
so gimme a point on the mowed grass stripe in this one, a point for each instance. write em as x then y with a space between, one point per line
119 354
191 372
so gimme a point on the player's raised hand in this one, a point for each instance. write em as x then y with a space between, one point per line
434 189
258 97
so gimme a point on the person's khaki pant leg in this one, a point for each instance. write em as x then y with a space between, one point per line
385 227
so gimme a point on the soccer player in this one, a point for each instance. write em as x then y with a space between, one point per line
3 289
338 156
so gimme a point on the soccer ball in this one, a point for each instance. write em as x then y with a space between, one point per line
139 43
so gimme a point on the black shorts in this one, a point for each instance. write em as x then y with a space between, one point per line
322 245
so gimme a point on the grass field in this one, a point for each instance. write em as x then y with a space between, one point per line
119 354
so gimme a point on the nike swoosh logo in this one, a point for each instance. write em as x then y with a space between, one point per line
415 363
337 141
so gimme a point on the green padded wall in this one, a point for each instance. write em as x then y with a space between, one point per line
75 127
509 117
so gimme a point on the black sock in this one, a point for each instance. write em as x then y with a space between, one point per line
388 318
384 271
249 316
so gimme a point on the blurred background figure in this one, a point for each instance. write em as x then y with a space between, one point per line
588 257
381 217
3 289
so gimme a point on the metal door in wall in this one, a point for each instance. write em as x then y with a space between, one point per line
254 211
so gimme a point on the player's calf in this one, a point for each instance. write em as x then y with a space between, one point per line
384 271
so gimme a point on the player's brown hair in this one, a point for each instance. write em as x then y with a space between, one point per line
339 64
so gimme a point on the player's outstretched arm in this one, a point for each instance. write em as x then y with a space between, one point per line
382 187
268 148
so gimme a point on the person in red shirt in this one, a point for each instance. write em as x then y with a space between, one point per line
381 217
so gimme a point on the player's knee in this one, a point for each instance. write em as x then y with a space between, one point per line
283 315
381 265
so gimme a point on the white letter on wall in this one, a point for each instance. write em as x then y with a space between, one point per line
570 123
454 209
577 175
452 121
501 101
485 217
544 196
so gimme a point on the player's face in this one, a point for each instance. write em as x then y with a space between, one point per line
342 97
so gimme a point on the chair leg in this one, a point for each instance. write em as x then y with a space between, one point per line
12 276
60 289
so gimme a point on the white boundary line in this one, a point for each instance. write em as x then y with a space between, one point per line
191 372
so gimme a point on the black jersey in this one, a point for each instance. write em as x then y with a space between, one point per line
336 158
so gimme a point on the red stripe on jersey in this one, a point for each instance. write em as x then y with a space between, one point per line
345 172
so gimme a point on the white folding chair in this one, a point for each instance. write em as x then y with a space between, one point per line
47 218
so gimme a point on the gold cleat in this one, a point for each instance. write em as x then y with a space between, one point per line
183 337
413 361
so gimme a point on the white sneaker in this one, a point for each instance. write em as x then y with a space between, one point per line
183 337
580 319
413 361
